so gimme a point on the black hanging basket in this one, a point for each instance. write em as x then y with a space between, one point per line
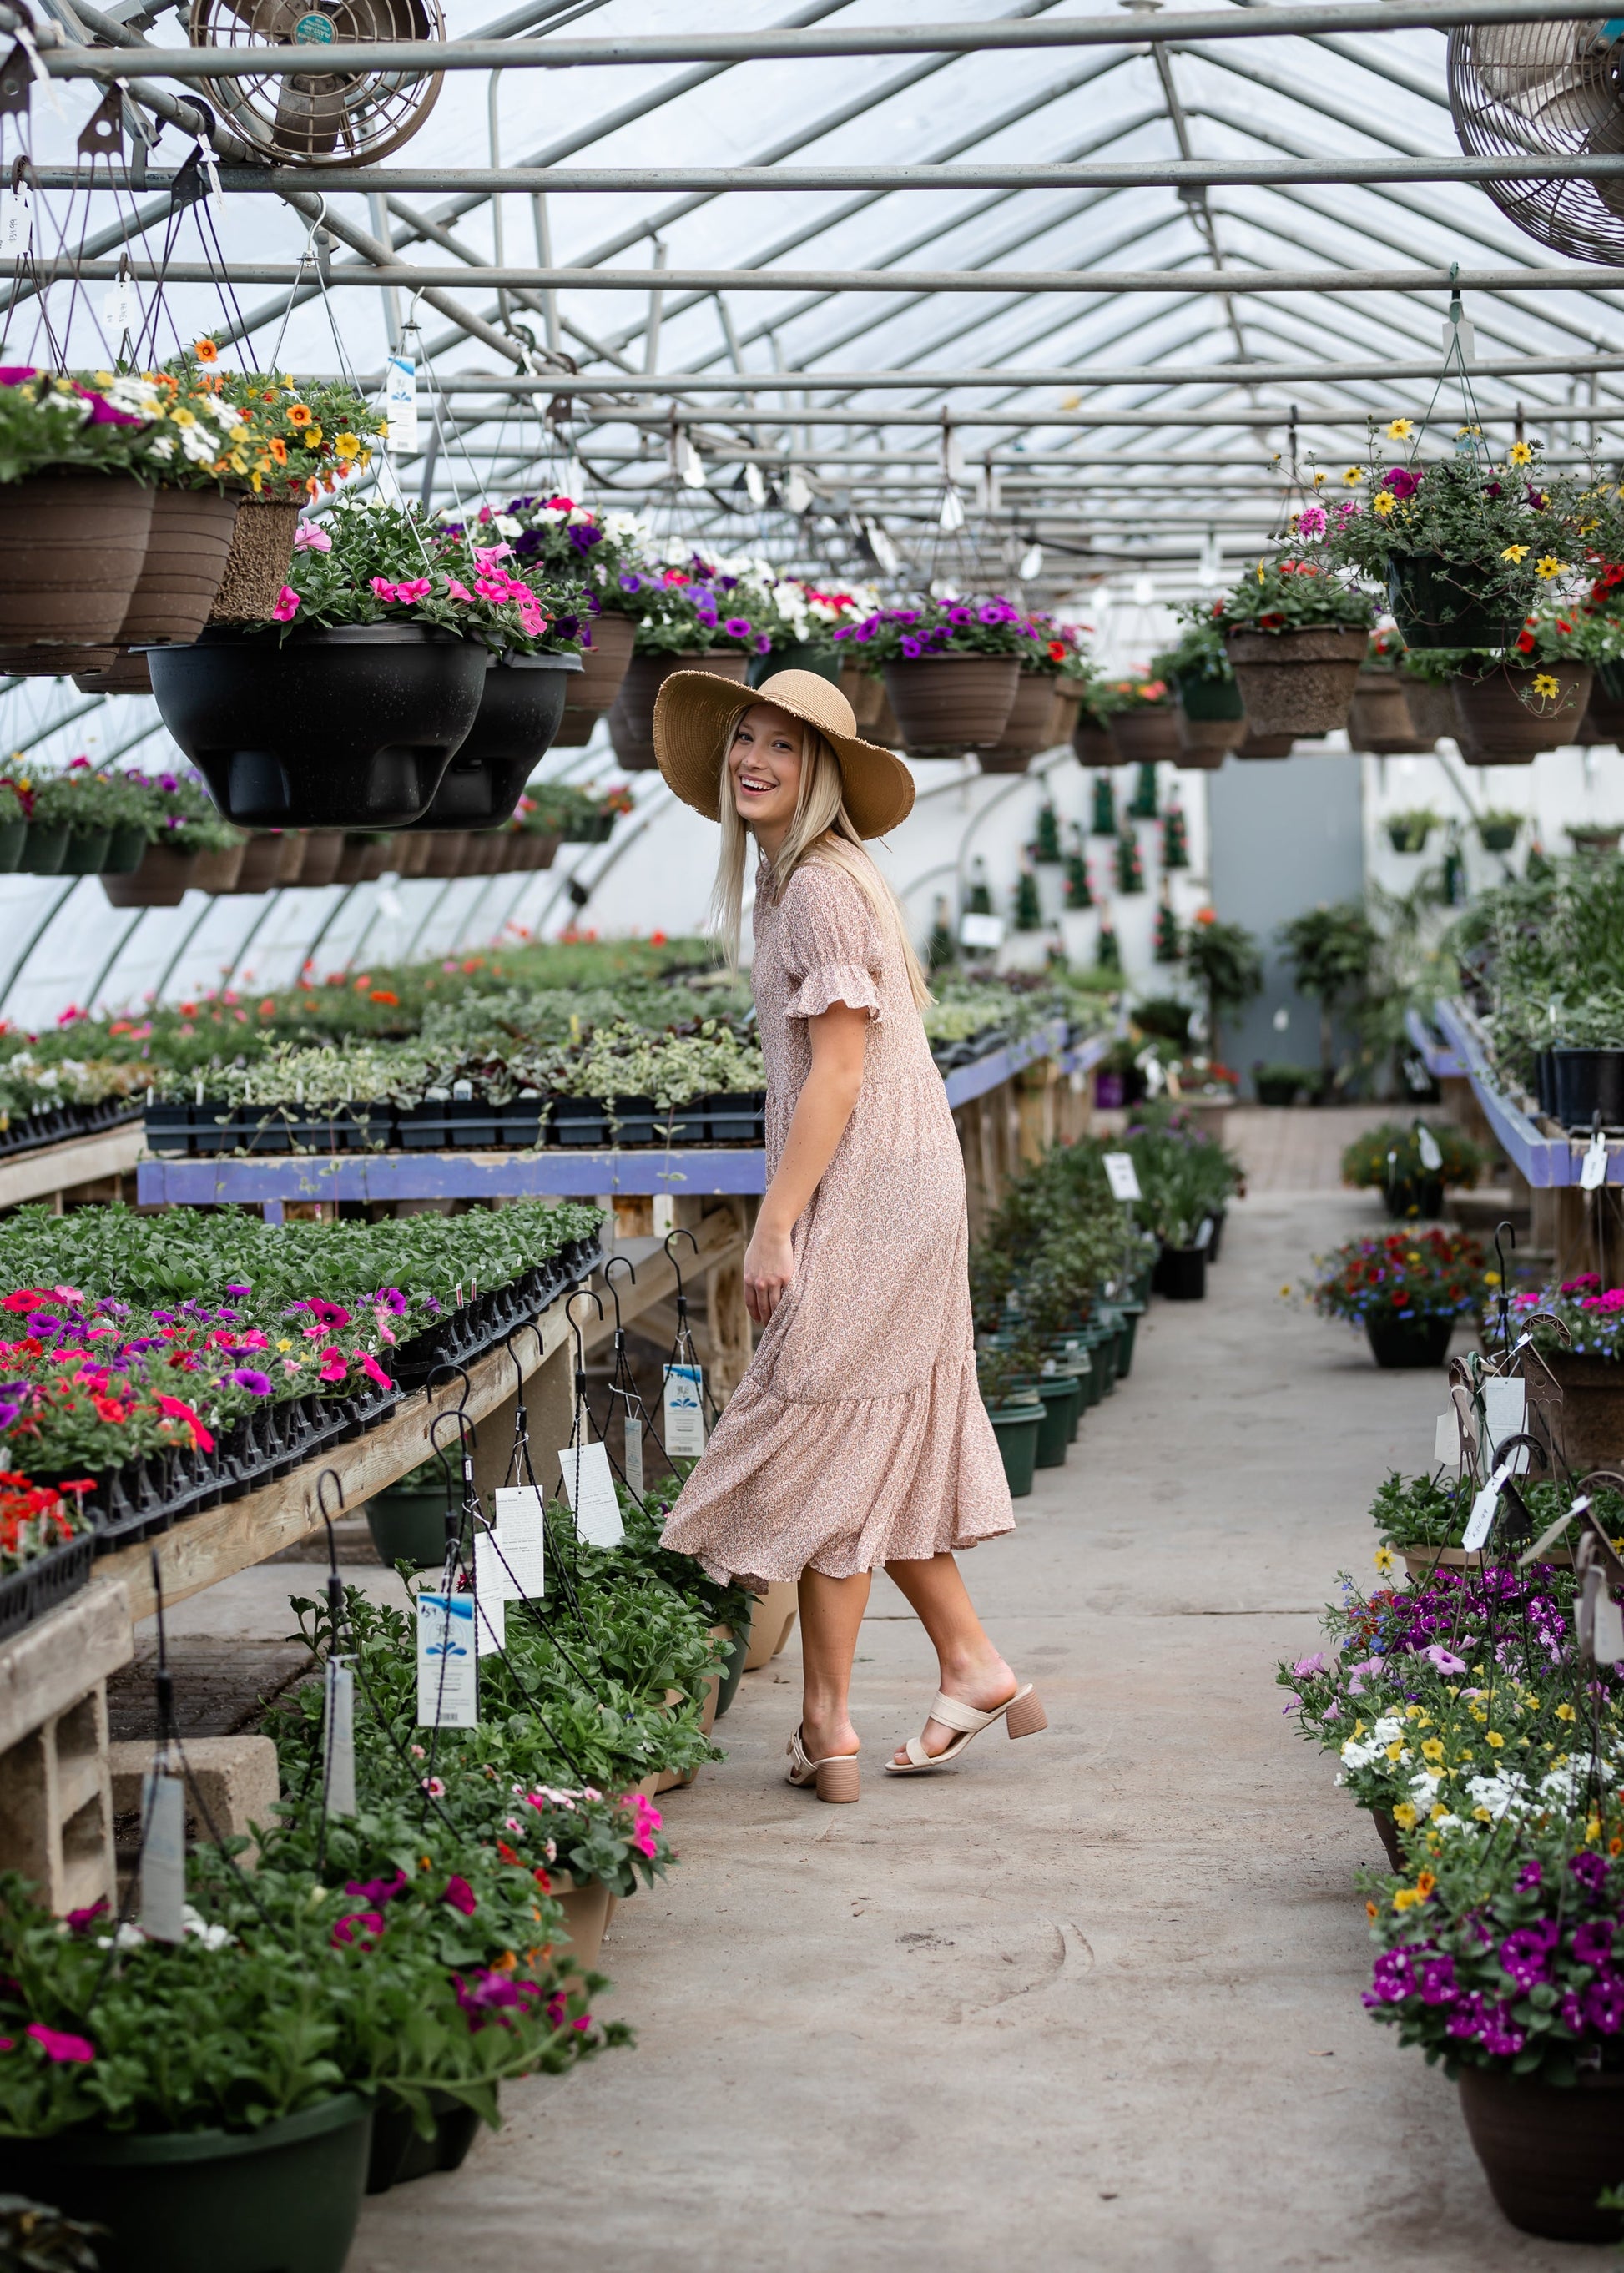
520 710
1438 603
347 728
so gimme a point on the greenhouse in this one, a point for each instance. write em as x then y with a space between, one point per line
575 1134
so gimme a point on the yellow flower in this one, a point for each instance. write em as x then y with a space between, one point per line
1518 552
1354 476
1413 1256
1319 480
348 445
1407 1897
311 437
1259 572
1491 1278
1549 566
1285 1290
1382 503
1404 1816
1432 1750
1395 1751
1545 686
183 416
1521 455
1399 430
284 1345
1439 1809
1494 1739
1564 1713
1384 1558
1482 1815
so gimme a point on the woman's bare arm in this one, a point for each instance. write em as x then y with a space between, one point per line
826 1102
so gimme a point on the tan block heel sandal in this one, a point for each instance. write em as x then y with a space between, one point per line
1022 1714
835 1779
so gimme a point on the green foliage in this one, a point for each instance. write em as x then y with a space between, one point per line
1392 1154
1226 964
1290 593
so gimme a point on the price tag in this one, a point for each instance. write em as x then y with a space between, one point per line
1203 1231
400 404
1593 1174
121 310
1447 1442
1607 1627
521 1533
589 1488
338 1750
1431 1158
690 464
980 931
1504 1413
631 1459
685 1410
163 1855
1481 1521
16 224
490 1607
1122 1175
447 1674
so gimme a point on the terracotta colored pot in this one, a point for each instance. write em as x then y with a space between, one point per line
362 860
1092 743
187 547
541 850
603 666
631 721
257 565
160 881
1145 737
946 704
884 730
772 1621
323 849
1431 706
1507 722
218 872
1027 730
1298 682
124 674
291 856
1264 745
864 693
1381 720
447 850
71 546
260 869
1205 743
1592 1415
1548 2150
576 729
587 1908
409 852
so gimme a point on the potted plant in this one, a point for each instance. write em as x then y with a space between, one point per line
1528 695
15 804
1333 952
1279 1083
1141 714
1381 719
1427 676
1408 832
178 827
1225 961
697 611
73 819
1390 1158
952 669
344 713
1015 1410
1212 718
1296 635
1595 840
809 618
1406 1290
1033 724
1498 827
305 439
1586 1365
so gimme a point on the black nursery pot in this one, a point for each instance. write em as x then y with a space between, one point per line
347 728
1398 1342
1421 1196
1585 1083
1180 1274
520 709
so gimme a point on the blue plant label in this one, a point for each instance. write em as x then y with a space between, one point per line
685 1412
522 1536
448 1666
338 1762
588 1488
163 1855
400 404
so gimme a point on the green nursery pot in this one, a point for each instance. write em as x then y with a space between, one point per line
13 836
409 1527
1062 1393
283 2199
124 851
85 852
43 848
1016 1428
732 1670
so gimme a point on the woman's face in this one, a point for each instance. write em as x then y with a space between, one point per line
764 763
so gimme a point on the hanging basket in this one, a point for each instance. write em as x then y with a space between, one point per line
363 859
631 722
1211 700
1264 745
56 662
1380 719
122 674
519 711
260 869
865 692
1147 736
407 855
323 849
944 705
1299 682
217 873
257 565
1027 730
1431 706
1548 2150
160 881
1205 743
188 545
795 654
603 666
71 546
1438 603
349 728
447 850
1507 724
1092 742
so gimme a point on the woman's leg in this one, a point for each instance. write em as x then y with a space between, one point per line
972 1670
831 1611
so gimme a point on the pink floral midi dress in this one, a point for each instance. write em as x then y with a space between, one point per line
858 1435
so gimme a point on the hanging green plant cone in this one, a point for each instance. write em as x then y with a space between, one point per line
980 900
1130 864
1046 846
1165 944
1109 954
1078 890
1144 805
1028 909
1175 838
941 948
1104 821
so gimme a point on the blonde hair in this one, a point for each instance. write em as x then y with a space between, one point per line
822 830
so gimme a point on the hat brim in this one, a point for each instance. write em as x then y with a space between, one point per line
691 712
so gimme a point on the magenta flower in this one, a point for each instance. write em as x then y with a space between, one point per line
1311 520
335 1365
1401 481
457 590
1525 1956
374 1371
362 1930
737 628
287 604
377 1890
58 2045
460 1894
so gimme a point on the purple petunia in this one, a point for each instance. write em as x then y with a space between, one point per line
1590 1871
737 628
1604 2005
1592 1941
245 1377
912 647
1525 1955
1401 481
1438 1982
630 583
1530 1876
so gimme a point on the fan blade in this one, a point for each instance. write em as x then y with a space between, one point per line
309 114
1550 74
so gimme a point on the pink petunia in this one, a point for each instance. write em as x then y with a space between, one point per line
335 1365
457 590
460 1894
58 2045
374 1371
287 604
310 536
383 588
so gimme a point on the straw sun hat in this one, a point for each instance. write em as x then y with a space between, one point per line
691 714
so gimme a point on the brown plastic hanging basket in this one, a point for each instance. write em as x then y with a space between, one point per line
604 665
261 867
631 721
1380 719
122 674
1298 682
944 705
160 881
72 547
1147 736
188 545
865 692
218 872
1027 730
1506 722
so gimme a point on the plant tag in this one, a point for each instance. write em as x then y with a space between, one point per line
1203 1231
1446 1440
121 310
1426 1143
980 931
796 492
489 1600
755 487
1607 1628
521 1533
685 1410
163 1855
690 465
1123 1177
1593 1174
448 1678
631 1463
1481 1521
1504 1413
16 224
589 1488
338 1762
952 515
400 404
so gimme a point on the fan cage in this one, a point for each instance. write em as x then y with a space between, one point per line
330 117
1547 90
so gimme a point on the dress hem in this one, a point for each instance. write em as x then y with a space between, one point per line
756 1582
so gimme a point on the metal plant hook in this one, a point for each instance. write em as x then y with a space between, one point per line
574 1324
335 1593
682 1232
1506 1226
630 1269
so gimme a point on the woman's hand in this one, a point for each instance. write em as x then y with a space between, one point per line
769 1266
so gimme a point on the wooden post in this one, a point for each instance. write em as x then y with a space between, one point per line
732 1333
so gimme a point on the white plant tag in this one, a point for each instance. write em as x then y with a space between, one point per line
1122 1175
1607 1628
980 931
1447 1442
521 1532
163 1855
1481 1521
588 1488
448 1678
1593 1174
1431 1158
691 465
1504 1413
16 224
685 1410
1203 1231
400 403
798 496
121 310
755 487
338 1731
631 1461
490 1601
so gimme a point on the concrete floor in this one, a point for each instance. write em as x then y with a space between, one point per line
1092 2000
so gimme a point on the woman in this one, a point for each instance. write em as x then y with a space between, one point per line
858 1435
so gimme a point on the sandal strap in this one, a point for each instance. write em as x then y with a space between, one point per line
953 1715
800 1765
915 1751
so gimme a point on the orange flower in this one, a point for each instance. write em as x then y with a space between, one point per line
279 450
206 351
298 414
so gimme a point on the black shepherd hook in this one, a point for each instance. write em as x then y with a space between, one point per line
466 1438
574 1324
1509 1228
336 1590
630 1267
682 1232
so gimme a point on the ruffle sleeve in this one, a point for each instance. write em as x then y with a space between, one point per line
831 949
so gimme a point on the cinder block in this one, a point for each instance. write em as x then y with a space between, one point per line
233 1784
